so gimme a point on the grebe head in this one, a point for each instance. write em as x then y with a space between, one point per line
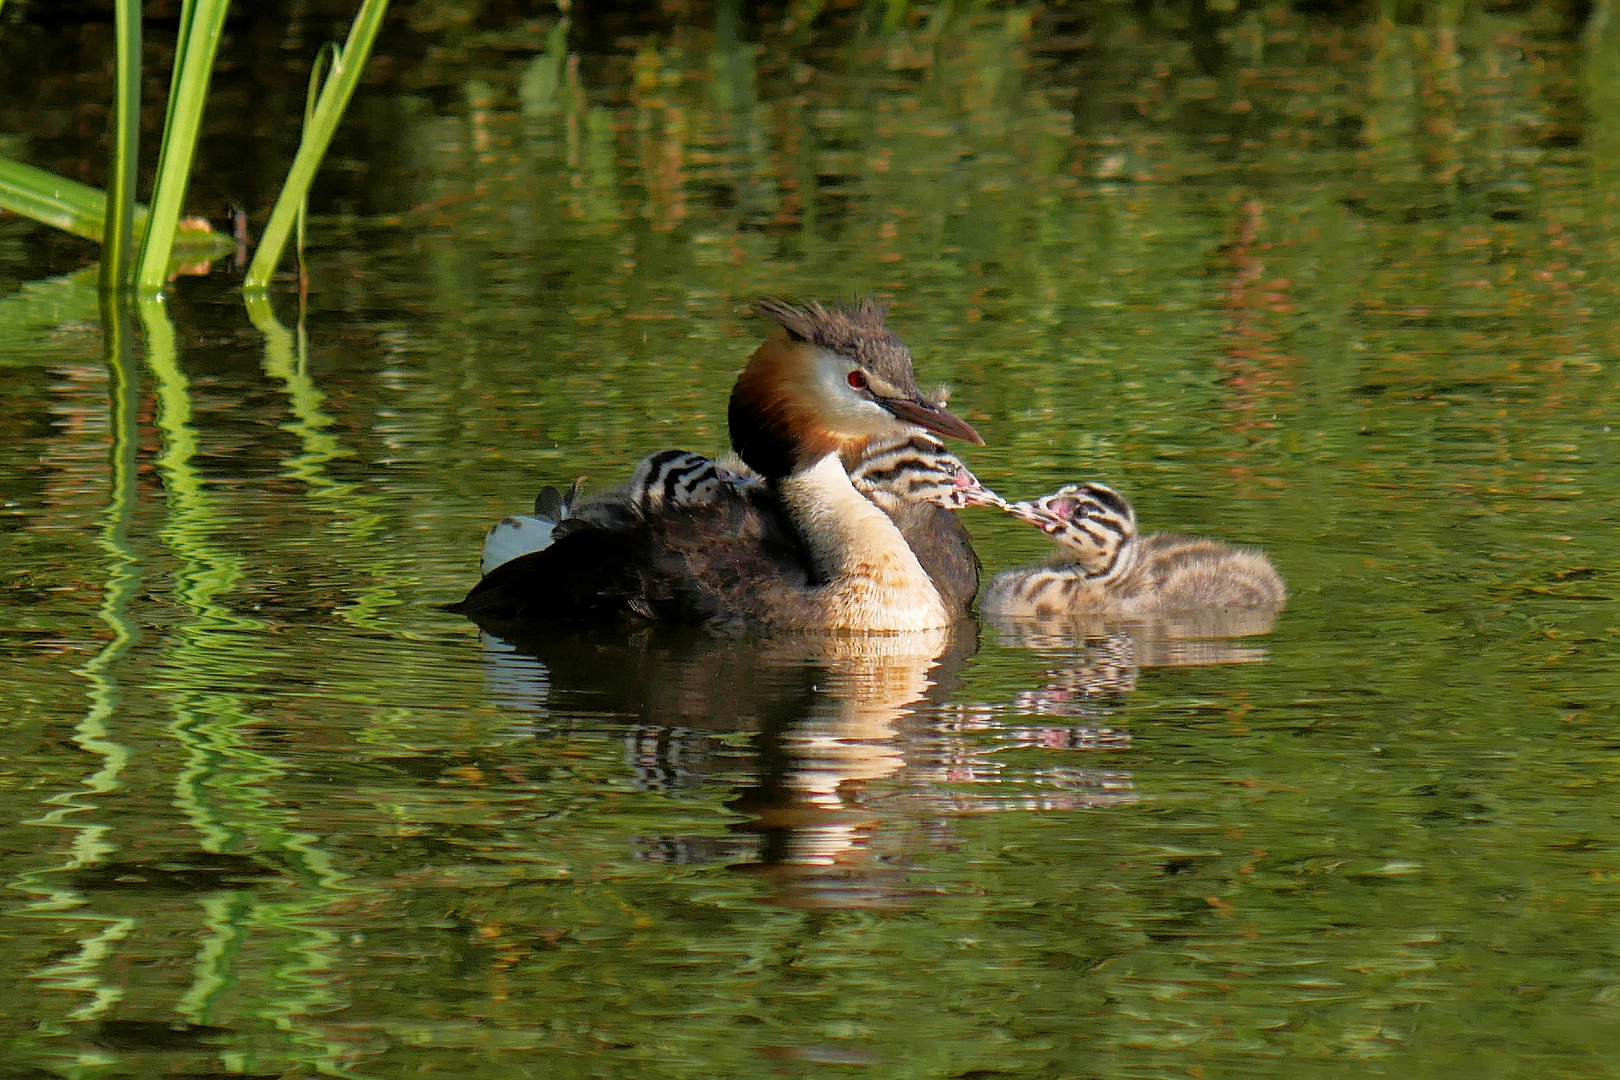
1092 523
919 469
834 380
674 478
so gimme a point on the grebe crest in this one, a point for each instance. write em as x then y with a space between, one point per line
832 381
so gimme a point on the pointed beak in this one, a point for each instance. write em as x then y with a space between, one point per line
1027 511
969 492
981 497
931 417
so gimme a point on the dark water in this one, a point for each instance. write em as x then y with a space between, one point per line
1341 287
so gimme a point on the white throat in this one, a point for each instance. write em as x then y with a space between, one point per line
874 581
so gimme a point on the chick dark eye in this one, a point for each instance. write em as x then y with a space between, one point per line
857 379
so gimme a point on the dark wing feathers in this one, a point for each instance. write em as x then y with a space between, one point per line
729 563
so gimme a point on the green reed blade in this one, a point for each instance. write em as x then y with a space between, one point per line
81 210
54 200
347 65
327 57
200 24
119 228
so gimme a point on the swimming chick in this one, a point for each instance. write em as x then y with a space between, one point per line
1104 567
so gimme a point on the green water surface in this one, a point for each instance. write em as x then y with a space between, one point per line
1342 282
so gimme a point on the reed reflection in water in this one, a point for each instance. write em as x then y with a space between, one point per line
851 734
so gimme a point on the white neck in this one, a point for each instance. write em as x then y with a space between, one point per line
874 581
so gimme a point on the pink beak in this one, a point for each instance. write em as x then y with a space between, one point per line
969 492
1035 515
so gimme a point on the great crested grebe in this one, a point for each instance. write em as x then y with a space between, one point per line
803 549
1104 567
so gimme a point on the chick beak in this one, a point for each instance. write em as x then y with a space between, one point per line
1028 511
969 492
931 417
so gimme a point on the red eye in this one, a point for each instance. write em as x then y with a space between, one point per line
857 379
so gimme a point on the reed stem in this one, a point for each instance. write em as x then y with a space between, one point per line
201 22
347 65
118 229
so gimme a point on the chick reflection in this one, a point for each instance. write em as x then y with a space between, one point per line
1092 665
1100 660
825 711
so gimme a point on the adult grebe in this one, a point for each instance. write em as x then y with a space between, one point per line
801 550
915 480
1104 567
